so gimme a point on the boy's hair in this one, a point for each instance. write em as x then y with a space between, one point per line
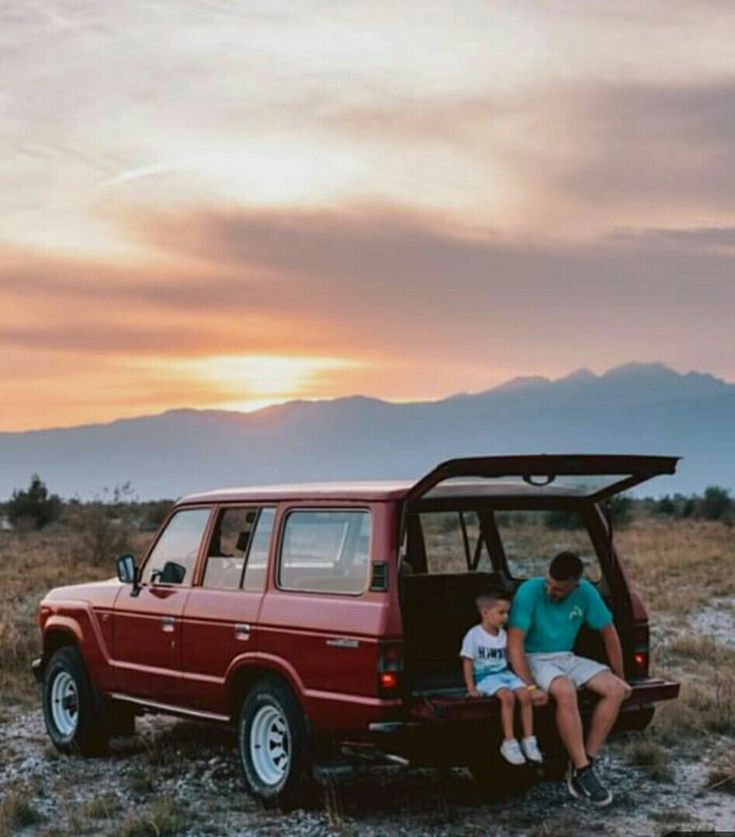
566 566
488 597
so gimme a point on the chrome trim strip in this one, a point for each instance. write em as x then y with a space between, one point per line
165 707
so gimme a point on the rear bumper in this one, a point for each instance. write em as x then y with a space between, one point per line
439 729
37 669
457 707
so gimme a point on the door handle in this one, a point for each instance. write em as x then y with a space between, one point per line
242 631
167 623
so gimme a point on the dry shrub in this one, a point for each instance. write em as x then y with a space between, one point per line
722 776
32 564
679 565
647 753
17 812
164 817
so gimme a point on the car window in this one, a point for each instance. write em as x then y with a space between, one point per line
532 538
228 548
451 539
325 551
175 553
257 561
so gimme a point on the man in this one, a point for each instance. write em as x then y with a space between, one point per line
545 619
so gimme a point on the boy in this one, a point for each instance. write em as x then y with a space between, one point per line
486 672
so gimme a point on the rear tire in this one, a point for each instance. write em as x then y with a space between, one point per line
273 745
72 708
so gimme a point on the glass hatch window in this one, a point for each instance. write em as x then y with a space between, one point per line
541 486
532 538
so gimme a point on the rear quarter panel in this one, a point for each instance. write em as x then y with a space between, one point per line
327 644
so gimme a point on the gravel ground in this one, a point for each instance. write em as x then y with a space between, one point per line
179 777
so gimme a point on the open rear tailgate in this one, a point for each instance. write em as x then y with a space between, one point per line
454 705
615 472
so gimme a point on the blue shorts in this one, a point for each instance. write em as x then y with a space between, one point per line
491 683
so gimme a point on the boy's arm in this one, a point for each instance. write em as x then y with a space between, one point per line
517 656
469 677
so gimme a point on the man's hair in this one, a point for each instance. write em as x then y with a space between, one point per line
488 597
566 566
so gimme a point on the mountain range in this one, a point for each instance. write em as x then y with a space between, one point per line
636 408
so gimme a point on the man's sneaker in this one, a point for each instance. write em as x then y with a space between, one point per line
531 750
586 784
510 750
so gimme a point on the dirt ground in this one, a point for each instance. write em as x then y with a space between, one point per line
177 777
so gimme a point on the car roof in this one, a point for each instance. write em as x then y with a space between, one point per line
370 491
590 476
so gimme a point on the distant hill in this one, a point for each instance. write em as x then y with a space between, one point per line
637 408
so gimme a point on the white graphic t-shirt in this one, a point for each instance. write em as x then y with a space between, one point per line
486 651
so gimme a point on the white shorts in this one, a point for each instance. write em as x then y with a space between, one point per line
492 683
546 667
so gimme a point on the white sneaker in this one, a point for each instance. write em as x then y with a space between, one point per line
531 750
511 751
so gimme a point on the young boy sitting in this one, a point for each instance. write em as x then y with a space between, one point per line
486 672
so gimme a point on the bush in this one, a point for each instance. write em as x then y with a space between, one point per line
102 537
716 503
34 507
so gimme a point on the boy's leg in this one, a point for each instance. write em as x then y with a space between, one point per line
505 696
523 696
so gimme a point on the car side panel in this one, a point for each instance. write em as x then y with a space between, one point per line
217 627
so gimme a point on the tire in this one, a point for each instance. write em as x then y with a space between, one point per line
273 745
72 708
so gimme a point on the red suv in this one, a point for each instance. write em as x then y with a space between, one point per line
328 617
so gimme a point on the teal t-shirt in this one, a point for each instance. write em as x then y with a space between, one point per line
553 626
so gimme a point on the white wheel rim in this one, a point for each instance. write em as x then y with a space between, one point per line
270 750
65 704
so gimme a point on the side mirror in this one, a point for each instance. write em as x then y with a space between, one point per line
127 572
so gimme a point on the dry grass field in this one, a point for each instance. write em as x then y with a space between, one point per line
179 778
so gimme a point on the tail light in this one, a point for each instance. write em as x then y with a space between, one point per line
640 650
390 669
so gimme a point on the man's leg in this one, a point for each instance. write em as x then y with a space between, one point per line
612 691
568 721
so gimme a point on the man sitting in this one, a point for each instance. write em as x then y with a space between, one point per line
545 619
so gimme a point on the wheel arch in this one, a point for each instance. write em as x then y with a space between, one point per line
243 677
59 633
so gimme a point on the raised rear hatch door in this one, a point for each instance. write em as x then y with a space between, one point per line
592 477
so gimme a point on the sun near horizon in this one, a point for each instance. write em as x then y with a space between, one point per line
268 202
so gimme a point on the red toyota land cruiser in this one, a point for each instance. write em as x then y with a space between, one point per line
323 618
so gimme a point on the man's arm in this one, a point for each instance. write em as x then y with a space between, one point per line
613 649
517 656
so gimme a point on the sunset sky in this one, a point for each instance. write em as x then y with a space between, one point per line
230 204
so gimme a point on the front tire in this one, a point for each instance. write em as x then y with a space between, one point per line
71 706
273 745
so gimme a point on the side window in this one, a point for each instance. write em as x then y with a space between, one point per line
175 553
228 548
325 552
257 565
451 540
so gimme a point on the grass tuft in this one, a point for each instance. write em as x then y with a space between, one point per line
651 756
17 811
163 818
